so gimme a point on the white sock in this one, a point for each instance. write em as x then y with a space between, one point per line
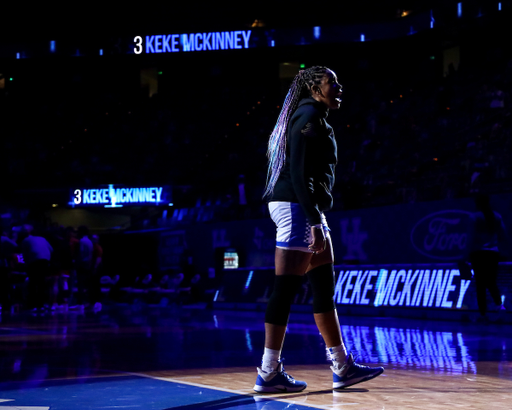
270 360
338 355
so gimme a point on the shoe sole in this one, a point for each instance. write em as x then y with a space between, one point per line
273 389
352 382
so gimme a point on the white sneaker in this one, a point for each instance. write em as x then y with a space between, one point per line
352 373
280 382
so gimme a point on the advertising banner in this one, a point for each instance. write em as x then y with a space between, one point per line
427 232
372 289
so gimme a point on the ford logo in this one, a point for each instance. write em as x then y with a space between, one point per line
442 235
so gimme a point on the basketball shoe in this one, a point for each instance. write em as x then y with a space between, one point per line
352 373
277 381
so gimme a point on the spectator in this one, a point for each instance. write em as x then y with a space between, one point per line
7 250
87 287
97 254
37 253
488 233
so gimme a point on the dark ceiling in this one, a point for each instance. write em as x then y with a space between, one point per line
94 18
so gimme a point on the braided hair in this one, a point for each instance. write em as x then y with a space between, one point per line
276 152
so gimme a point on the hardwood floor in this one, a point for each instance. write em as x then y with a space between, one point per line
177 357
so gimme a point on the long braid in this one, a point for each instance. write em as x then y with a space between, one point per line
276 152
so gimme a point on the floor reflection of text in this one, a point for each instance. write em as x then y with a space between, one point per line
442 351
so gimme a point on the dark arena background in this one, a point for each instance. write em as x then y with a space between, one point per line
147 127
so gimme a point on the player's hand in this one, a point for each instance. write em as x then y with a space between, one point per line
319 242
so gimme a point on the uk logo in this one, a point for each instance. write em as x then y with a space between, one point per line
219 238
352 237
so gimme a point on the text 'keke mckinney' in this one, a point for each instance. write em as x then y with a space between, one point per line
175 43
441 288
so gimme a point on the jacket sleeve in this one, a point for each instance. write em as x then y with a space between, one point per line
302 135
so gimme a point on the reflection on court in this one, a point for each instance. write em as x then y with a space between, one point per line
172 358
439 351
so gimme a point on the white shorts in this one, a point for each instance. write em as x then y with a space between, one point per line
293 228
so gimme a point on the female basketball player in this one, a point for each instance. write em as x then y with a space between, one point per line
302 157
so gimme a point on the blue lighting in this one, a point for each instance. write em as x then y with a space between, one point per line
101 51
499 6
249 278
18 56
427 288
115 197
382 273
316 32
248 340
464 284
52 46
432 21
446 351
362 37
459 9
173 43
272 43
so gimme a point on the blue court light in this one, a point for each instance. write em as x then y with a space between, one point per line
459 9
249 278
101 51
52 46
362 37
248 340
316 32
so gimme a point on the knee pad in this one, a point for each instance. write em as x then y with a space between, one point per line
321 280
278 307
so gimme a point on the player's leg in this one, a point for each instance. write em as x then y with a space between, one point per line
346 371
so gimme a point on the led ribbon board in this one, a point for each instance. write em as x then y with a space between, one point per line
175 43
426 287
119 196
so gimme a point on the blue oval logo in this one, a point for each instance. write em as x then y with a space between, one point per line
442 235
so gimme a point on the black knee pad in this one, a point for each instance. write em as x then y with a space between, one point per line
321 280
278 307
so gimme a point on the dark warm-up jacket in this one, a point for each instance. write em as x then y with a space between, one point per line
307 176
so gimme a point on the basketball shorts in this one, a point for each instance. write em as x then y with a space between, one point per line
293 228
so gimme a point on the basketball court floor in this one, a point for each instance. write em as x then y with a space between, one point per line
142 357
